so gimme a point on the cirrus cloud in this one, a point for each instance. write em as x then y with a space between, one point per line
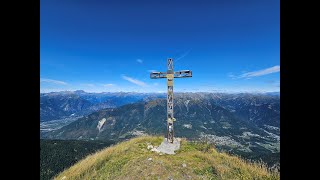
134 81
53 81
108 85
261 72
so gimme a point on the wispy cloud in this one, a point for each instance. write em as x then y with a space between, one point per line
53 81
108 85
134 81
90 85
232 76
140 61
155 84
262 72
152 70
183 55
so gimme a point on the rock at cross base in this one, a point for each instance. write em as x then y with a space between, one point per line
169 148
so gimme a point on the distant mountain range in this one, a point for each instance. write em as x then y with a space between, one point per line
65 104
68 104
240 123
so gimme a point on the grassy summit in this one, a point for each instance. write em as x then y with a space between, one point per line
132 160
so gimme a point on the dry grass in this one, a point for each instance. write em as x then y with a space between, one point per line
129 160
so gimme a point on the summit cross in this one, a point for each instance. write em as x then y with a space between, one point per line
170 75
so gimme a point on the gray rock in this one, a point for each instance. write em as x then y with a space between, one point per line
169 148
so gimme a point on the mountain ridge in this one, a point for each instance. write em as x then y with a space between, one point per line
247 125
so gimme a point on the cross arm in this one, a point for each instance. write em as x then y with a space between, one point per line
183 74
158 75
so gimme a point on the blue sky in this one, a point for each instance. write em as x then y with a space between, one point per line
101 46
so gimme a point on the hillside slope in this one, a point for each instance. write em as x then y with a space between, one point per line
194 117
56 155
132 160
221 122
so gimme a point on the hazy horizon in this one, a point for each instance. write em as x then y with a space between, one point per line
232 92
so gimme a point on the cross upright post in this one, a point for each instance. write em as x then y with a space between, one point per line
170 75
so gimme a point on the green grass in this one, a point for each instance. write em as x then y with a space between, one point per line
129 160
